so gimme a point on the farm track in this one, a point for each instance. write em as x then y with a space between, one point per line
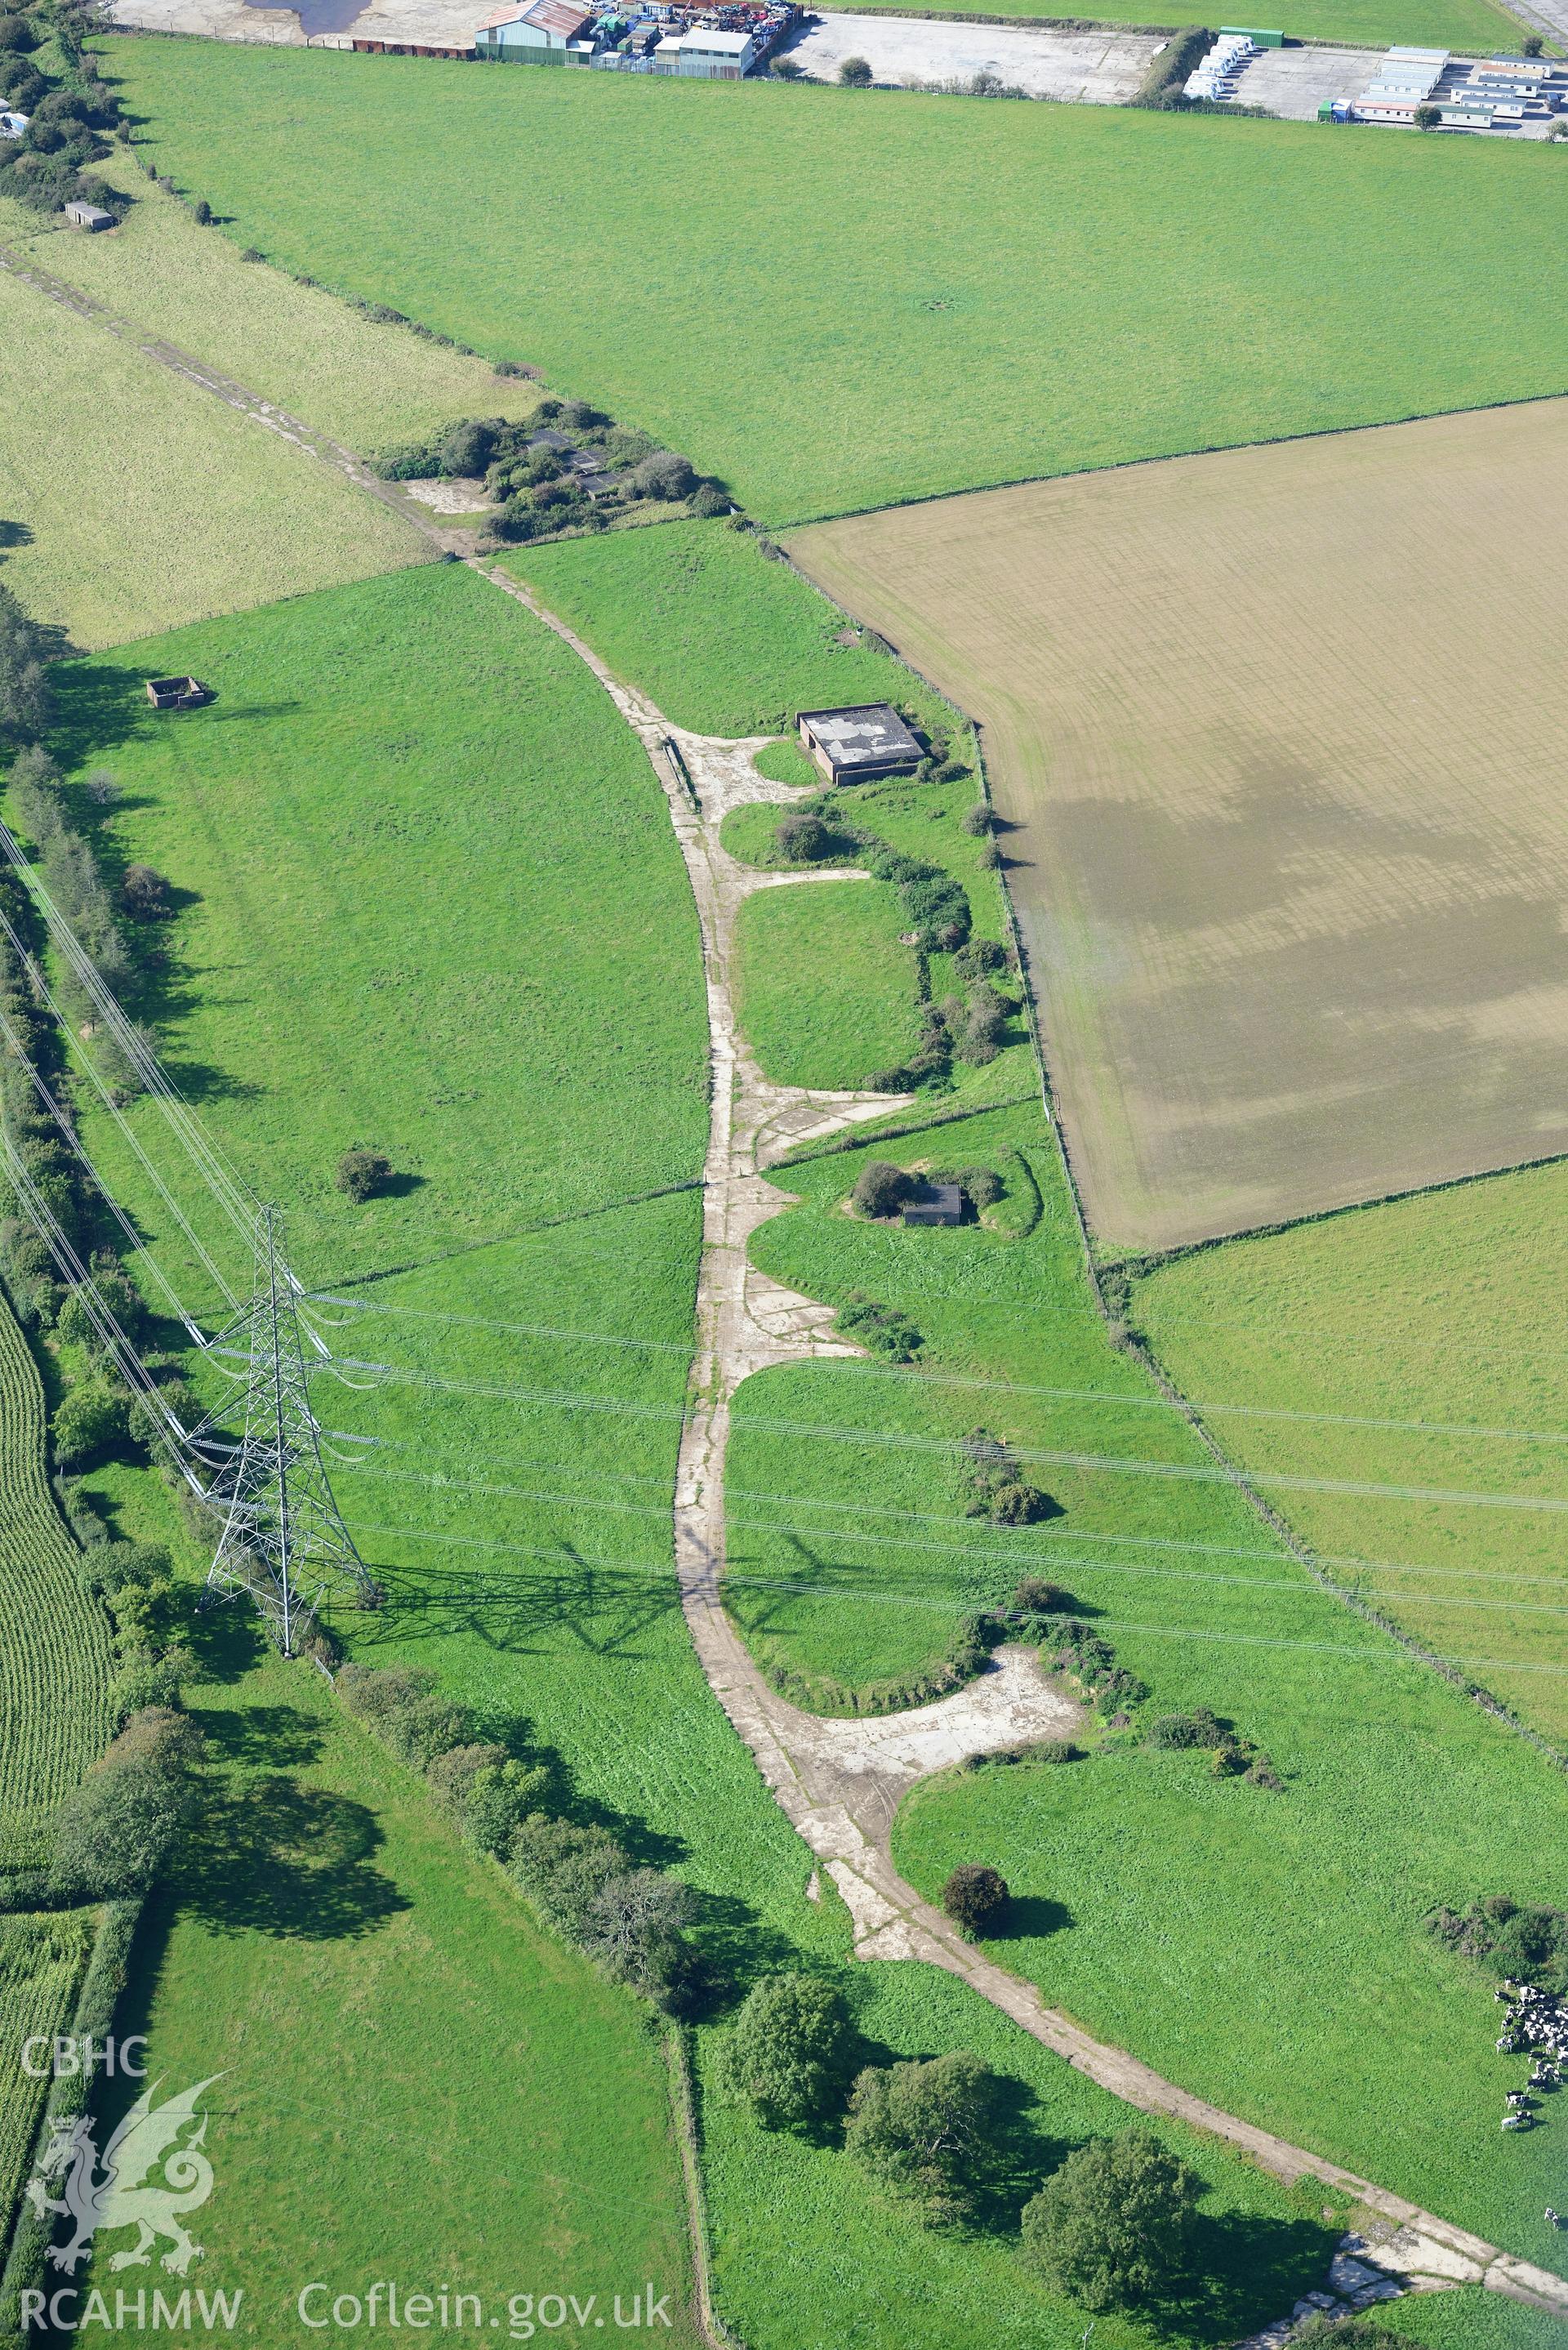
822 1779
56 1658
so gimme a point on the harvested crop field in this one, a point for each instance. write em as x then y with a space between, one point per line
1273 734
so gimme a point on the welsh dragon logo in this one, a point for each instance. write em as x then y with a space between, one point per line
147 2179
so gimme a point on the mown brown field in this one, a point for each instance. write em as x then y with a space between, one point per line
1279 736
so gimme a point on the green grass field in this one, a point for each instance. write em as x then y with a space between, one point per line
55 1657
726 641
415 2081
367 952
143 501
825 993
1265 1949
1403 1360
1471 27
366 384
1139 288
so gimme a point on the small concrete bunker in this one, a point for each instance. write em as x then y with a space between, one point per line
853 746
935 1204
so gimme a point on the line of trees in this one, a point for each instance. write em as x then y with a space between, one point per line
1113 2224
632 1920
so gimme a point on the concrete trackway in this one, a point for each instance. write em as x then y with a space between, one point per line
838 1782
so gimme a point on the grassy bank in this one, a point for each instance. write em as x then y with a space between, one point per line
369 383
1469 25
1138 264
1397 1369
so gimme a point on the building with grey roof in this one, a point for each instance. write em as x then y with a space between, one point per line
853 746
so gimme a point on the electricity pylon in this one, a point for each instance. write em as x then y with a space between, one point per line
284 1541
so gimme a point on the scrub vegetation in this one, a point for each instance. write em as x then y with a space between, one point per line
1140 292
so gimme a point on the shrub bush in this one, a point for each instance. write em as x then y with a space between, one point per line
90 1419
362 1174
468 448
1527 1943
998 1489
1198 1727
1114 2226
115 1833
805 838
855 73
882 1189
924 2130
976 1899
144 894
881 1329
707 501
1035 1597
664 474
976 821
788 2052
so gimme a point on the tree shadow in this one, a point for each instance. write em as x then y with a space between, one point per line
12 534
279 1735
1033 1915
1243 2270
227 1642
271 1856
96 709
399 1187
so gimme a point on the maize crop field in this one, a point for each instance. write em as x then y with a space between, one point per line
55 1655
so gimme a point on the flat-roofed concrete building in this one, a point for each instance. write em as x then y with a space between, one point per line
935 1204
853 746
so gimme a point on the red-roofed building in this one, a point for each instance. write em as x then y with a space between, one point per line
540 34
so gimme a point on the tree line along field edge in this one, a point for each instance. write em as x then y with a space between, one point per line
1158 222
